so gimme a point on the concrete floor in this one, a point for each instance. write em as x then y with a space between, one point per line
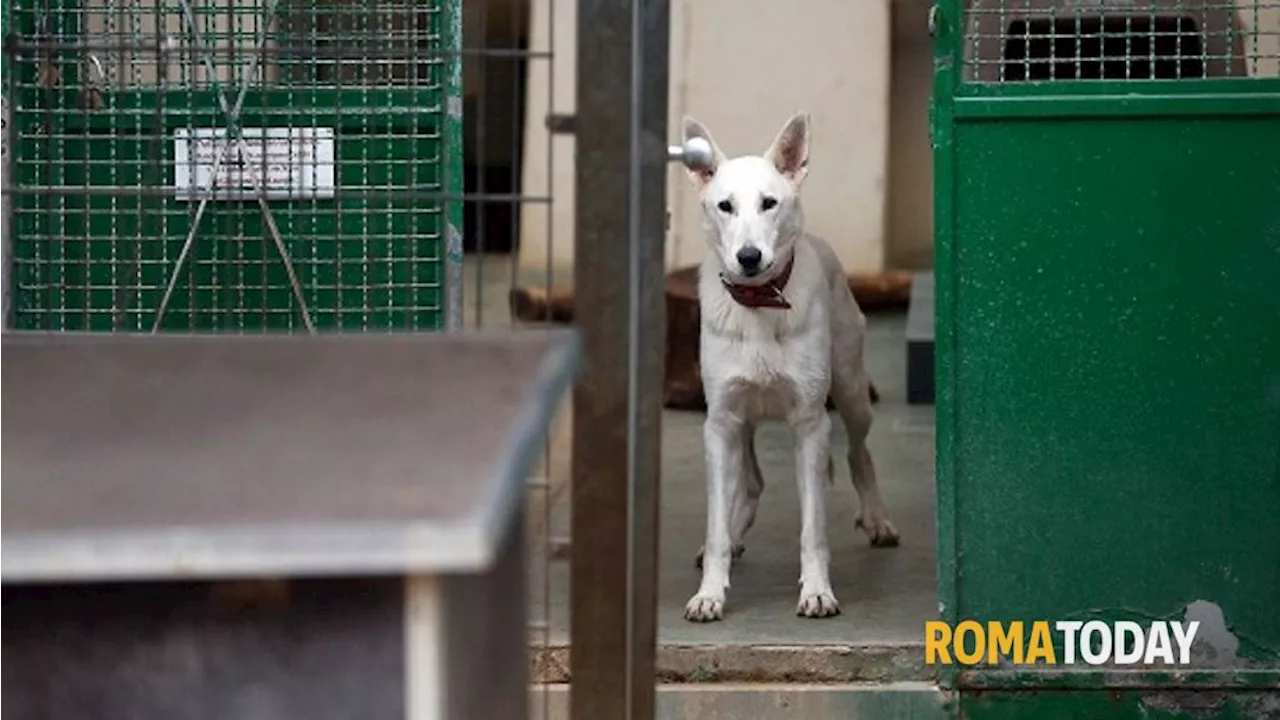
885 594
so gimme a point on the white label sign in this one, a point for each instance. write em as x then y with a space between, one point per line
282 163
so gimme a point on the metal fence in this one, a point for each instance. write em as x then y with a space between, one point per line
1014 41
276 165
243 166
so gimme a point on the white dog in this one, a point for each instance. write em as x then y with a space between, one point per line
780 332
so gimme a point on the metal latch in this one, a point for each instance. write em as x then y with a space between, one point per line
695 153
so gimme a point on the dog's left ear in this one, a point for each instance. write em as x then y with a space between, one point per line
790 150
704 175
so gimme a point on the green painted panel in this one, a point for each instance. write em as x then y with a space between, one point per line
1115 370
1120 705
1108 340
1109 370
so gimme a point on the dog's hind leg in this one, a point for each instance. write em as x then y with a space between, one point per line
743 514
874 518
853 402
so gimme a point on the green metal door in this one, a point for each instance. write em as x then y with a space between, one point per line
1108 304
240 165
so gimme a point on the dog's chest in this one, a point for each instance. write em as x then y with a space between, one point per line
768 380
764 367
759 362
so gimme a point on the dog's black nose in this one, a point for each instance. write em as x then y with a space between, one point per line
749 259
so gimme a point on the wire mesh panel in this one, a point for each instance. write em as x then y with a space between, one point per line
233 165
1037 40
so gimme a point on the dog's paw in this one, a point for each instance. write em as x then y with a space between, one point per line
738 551
818 604
704 608
878 528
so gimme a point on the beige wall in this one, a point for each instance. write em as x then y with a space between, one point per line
909 225
130 18
547 169
742 67
1264 60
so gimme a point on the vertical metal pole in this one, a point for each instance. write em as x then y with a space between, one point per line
621 129
454 184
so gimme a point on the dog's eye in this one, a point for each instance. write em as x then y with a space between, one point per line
725 206
768 203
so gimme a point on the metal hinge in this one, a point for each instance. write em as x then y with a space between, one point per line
562 124
558 548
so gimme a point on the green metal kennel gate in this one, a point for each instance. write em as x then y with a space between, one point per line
1108 277
233 165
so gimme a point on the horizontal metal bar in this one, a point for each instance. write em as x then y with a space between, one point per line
1197 87
166 45
1047 107
151 286
102 117
148 313
338 194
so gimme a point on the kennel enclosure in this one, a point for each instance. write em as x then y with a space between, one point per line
1108 240
260 165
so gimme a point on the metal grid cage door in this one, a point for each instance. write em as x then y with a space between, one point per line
1015 41
233 165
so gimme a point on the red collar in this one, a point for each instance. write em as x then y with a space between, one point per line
768 295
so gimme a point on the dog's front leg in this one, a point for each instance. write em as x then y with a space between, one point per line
812 431
723 437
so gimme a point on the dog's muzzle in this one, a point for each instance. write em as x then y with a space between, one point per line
749 259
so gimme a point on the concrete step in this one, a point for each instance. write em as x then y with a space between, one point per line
792 701
720 664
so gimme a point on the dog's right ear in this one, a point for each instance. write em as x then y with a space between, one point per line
790 150
701 176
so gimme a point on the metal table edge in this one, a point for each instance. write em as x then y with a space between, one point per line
307 550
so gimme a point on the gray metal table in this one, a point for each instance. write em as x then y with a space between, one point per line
270 527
